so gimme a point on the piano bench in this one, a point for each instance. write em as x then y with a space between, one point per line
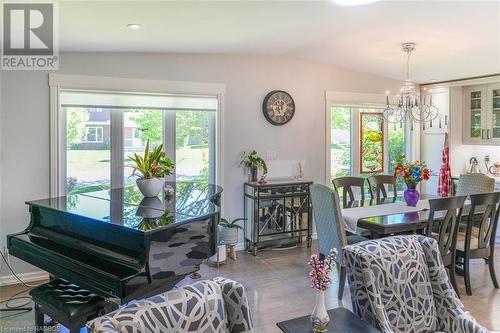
67 304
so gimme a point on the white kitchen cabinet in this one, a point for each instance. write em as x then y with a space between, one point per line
432 138
493 117
481 114
440 98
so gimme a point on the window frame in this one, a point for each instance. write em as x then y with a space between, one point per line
363 101
61 82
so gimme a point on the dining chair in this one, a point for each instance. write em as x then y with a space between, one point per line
479 241
378 183
445 229
346 184
330 227
474 183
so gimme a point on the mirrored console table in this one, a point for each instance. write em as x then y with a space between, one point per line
277 213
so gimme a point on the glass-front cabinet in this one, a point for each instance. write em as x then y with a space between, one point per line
482 114
494 99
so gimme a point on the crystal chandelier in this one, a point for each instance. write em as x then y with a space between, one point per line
411 107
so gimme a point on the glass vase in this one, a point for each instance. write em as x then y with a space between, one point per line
411 195
319 316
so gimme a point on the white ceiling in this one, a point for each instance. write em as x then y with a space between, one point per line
455 39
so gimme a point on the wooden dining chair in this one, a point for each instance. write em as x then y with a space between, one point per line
346 184
330 227
479 235
445 229
378 185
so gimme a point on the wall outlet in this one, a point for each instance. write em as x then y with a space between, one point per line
270 155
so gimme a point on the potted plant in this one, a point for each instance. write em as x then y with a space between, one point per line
229 231
253 162
412 174
151 170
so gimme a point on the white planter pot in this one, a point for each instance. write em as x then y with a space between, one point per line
150 187
229 235
221 250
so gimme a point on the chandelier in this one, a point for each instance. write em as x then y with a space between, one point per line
411 106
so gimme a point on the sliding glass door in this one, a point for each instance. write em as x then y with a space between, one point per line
104 129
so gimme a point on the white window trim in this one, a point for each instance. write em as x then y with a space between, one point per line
350 99
58 82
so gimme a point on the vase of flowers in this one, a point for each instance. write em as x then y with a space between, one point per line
412 174
150 170
320 281
253 162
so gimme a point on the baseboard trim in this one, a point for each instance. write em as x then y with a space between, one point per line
9 280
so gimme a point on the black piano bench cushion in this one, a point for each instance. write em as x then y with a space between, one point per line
68 300
210 306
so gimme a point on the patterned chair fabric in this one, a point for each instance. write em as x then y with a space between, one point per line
474 183
211 306
399 284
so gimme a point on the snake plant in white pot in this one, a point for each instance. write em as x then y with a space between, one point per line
151 170
229 231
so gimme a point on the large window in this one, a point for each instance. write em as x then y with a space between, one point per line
104 129
362 143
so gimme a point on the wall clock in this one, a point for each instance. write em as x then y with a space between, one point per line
278 107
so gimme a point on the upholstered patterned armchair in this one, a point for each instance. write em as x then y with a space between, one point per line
399 284
210 306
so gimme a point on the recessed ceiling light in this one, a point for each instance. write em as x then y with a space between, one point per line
134 26
353 2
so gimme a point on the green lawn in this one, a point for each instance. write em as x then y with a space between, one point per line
94 165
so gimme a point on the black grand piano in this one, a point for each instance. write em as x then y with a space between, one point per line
119 244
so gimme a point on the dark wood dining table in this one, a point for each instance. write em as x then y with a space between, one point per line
393 223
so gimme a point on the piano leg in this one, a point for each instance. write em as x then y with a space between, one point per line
39 318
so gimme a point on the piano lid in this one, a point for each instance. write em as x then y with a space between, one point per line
127 207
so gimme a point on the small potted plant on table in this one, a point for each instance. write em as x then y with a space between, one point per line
151 170
253 162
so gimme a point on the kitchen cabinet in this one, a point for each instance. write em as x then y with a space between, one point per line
482 114
432 138
440 98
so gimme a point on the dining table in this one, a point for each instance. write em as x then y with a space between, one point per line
387 216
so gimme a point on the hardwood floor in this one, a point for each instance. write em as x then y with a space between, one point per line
277 285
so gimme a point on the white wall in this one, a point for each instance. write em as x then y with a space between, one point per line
25 116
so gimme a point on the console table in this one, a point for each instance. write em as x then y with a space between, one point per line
276 211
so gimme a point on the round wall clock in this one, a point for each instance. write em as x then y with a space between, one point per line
278 107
